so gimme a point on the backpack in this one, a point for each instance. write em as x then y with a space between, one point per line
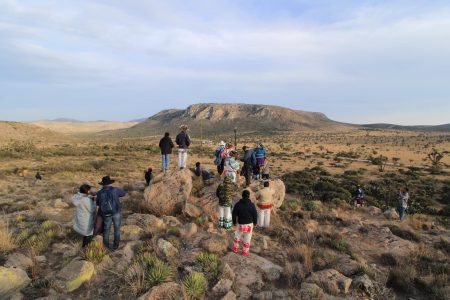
218 155
107 204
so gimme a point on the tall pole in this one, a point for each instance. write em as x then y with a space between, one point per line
235 138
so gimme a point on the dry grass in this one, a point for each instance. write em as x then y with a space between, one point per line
7 242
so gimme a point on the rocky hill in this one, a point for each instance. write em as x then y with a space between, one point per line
70 126
21 131
216 119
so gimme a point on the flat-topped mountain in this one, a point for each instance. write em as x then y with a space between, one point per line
215 119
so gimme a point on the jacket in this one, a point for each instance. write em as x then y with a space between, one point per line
260 152
249 158
84 219
231 165
225 192
183 140
226 151
403 199
244 212
166 145
206 175
264 197
116 194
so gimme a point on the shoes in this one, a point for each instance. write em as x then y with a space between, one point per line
235 249
245 252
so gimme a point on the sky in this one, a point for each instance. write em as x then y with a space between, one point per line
356 61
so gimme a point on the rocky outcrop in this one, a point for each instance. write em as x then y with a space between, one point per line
168 194
166 250
12 280
18 260
391 214
331 280
72 276
149 223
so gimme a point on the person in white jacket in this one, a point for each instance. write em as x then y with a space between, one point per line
85 208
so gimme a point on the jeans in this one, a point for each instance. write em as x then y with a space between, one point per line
107 222
402 212
247 171
165 162
182 157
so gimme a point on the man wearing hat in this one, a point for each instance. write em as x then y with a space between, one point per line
110 209
183 141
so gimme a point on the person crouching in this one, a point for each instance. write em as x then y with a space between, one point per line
245 216
85 208
264 198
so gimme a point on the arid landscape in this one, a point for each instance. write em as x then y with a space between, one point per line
318 246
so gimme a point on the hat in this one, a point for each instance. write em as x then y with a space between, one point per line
232 152
183 127
222 143
106 181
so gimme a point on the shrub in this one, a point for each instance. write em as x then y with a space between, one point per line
158 273
195 285
135 278
6 238
210 265
95 252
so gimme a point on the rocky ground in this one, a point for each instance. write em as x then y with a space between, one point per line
172 249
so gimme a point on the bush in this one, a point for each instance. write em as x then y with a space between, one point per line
195 285
95 252
6 238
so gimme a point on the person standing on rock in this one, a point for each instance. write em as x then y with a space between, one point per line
148 175
403 198
260 153
225 192
85 209
264 198
249 160
183 141
232 166
219 161
166 145
245 217
110 210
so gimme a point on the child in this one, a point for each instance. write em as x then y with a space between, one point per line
245 215
148 176
85 208
225 192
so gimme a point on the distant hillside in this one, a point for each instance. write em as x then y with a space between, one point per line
217 119
430 128
21 131
70 126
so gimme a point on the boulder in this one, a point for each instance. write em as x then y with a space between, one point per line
18 260
229 296
168 194
222 287
149 223
310 291
331 280
215 244
192 210
12 280
171 221
363 283
373 210
391 214
188 230
72 276
166 291
166 249
131 232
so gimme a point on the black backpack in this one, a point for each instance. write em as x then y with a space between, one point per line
107 204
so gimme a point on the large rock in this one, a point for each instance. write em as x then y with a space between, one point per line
373 210
222 287
229 296
18 260
131 232
149 223
168 194
166 291
72 276
311 291
215 244
192 210
12 280
188 230
331 280
166 249
391 214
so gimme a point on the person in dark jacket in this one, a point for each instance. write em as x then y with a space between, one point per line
166 145
183 141
249 160
110 210
200 171
245 216
148 176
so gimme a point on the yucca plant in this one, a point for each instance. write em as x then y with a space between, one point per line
158 273
210 264
195 285
22 237
95 252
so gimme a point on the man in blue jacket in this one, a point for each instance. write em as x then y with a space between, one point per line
110 209
249 160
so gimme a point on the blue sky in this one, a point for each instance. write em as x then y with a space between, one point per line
356 61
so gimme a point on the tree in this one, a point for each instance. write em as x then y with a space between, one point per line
435 157
380 161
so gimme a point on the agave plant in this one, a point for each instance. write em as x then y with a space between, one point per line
195 285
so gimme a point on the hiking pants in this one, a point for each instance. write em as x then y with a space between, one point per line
247 171
243 233
225 220
264 217
165 162
182 157
221 167
107 222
